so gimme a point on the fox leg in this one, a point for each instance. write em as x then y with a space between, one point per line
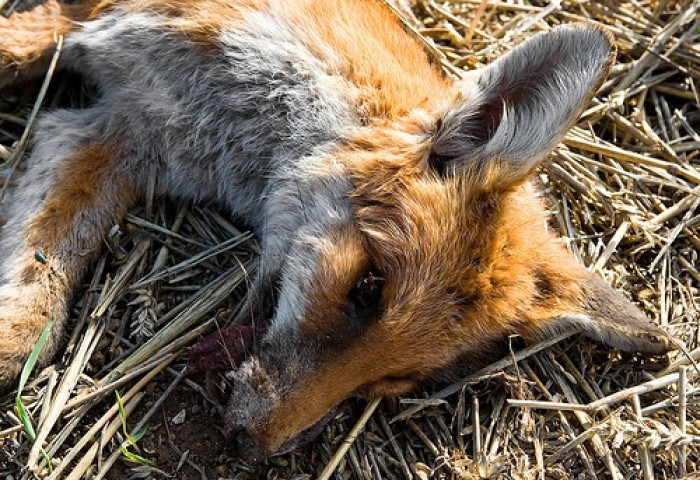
29 38
72 192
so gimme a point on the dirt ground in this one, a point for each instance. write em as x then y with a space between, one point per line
185 441
184 438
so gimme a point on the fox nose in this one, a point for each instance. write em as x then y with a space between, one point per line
248 448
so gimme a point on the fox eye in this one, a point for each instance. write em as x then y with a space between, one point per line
365 296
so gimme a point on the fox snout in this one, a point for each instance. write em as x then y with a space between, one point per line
251 448
259 391
248 437
245 446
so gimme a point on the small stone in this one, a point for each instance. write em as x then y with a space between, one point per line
179 419
222 471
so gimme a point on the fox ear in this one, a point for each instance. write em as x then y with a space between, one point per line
605 315
513 112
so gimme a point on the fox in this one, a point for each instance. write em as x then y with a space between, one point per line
402 231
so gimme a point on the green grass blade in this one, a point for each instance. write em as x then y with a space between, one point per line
134 457
31 361
22 413
139 435
131 440
122 414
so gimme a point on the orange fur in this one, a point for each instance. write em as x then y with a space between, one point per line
364 42
27 51
199 22
81 185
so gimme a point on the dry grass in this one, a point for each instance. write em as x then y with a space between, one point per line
624 188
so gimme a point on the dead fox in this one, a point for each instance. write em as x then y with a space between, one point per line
401 231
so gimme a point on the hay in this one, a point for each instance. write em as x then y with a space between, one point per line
624 188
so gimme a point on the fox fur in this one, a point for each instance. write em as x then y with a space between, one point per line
401 230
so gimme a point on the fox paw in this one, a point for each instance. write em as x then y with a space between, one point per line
21 325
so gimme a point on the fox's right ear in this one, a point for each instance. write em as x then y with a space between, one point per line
513 112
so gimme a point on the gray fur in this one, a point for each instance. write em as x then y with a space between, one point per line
253 129
247 128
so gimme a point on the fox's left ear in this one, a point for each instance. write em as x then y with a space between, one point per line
606 315
513 112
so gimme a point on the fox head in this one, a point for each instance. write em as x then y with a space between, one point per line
436 252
